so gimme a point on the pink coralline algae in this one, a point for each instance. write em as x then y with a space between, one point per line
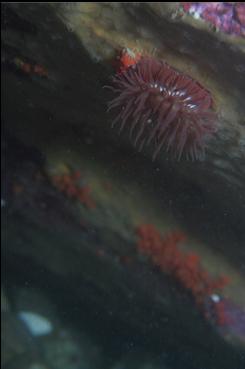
227 17
236 316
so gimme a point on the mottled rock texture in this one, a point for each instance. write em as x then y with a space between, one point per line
77 44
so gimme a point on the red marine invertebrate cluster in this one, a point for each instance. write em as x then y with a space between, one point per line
185 268
31 68
127 58
163 105
70 186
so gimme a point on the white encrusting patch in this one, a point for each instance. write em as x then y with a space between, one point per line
215 298
37 324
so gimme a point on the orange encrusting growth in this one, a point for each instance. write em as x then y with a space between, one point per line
69 185
184 267
127 58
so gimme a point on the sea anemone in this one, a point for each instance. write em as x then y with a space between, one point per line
164 106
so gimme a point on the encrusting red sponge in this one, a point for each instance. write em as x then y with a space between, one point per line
184 267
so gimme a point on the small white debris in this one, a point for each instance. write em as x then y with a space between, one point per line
3 203
37 324
196 15
191 106
215 298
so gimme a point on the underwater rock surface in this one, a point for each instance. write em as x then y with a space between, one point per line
75 191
